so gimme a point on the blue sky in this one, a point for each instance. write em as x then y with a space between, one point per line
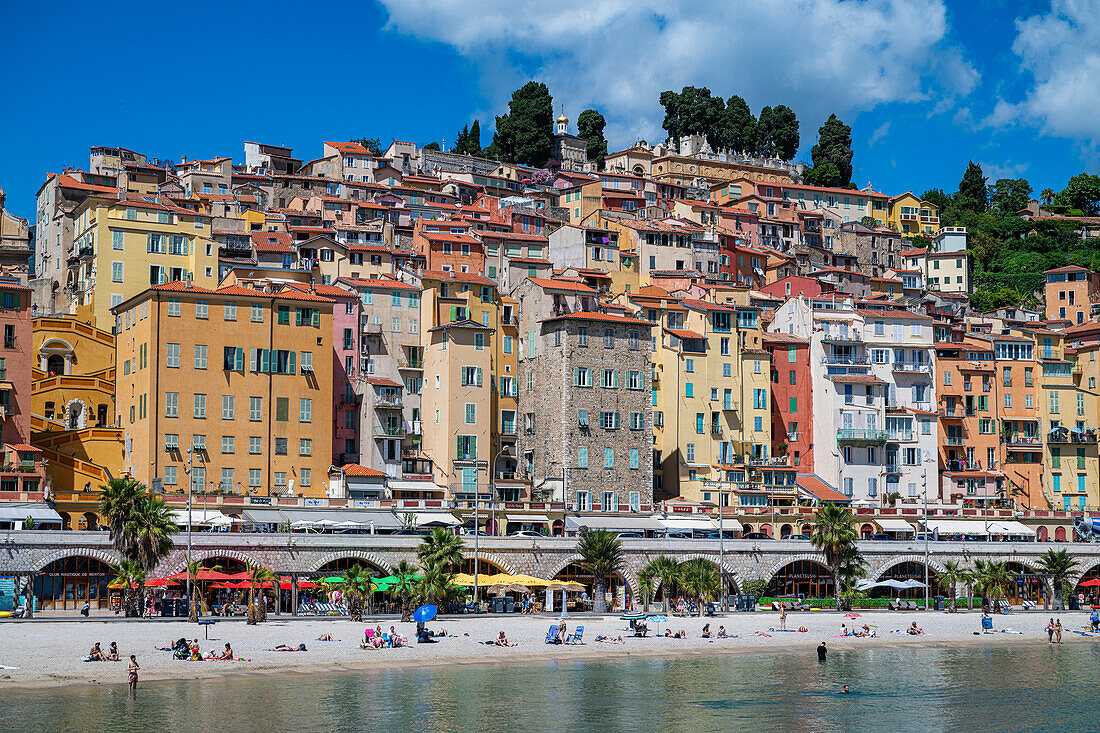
926 84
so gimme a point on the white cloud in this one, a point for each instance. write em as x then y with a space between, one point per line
879 133
1059 50
816 56
995 171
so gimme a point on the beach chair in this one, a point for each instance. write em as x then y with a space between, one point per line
1004 606
577 637
894 606
1027 604
552 635
910 605
796 606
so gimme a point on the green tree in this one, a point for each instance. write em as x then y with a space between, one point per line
432 146
126 573
972 195
459 148
984 300
937 197
665 570
990 579
257 576
197 605
372 144
737 128
601 554
646 585
835 535
824 174
701 578
468 140
590 126
118 501
869 221
952 575
1009 195
834 145
1057 565
356 584
525 134
1082 192
441 548
778 132
404 572
1047 196
692 111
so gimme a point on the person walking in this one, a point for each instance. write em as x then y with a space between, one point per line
782 616
1058 631
1050 631
132 669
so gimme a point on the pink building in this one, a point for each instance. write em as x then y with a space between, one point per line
21 469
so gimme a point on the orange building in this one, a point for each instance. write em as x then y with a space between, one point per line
1070 292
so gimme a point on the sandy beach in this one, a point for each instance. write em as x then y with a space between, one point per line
46 653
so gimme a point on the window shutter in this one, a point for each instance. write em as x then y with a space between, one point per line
291 367
616 421
265 360
186 245
297 316
576 376
253 359
149 242
316 317
239 360
479 376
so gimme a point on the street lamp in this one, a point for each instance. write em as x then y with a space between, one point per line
190 457
924 482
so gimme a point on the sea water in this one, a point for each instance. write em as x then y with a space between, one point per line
1019 688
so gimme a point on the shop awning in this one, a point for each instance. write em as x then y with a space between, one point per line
263 516
18 511
529 518
893 525
400 485
1011 528
683 524
435 519
997 528
380 520
198 516
628 523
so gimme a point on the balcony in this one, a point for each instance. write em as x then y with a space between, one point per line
407 363
388 402
773 461
954 440
389 431
900 436
1022 441
845 359
953 413
911 367
372 328
1068 436
860 435
892 468
842 338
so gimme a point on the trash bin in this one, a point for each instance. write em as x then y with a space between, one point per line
183 606
509 605
498 604
750 602
1074 604
938 603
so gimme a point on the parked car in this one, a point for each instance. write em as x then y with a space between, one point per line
630 535
411 531
756 536
676 536
729 534
881 536
526 533
470 533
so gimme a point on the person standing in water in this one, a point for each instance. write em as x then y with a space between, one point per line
821 652
133 668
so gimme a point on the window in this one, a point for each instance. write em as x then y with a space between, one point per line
172 356
282 409
305 447
171 404
305 409
200 406
305 477
280 478
609 420
173 307
171 476
280 446
230 311
257 313
637 420
609 459
582 336
471 413
254 445
202 309
634 380
116 272
200 356
581 377
689 366
609 379
608 338
689 454
228 444
228 405
253 477
582 457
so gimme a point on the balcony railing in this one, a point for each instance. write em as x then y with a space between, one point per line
951 413
850 435
1063 436
914 367
842 338
893 468
954 440
844 359
388 402
1025 441
388 431
900 436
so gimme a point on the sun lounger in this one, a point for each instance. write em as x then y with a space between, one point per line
911 606
797 606
577 637
1027 604
894 606
552 635
1004 606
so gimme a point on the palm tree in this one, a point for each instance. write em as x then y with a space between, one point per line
434 584
355 578
646 584
602 554
952 575
117 502
835 535
126 574
148 532
403 571
665 570
991 580
442 547
702 579
1047 196
1057 564
257 576
194 567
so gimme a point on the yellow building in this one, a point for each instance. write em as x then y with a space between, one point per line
124 246
910 214
1067 412
233 385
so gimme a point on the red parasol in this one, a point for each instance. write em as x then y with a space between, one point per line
160 583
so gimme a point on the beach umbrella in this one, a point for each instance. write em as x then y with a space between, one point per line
333 579
658 620
498 590
1090 583
424 614
159 583
530 581
518 588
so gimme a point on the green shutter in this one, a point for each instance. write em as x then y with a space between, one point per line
239 359
265 360
316 317
479 376
291 365
297 316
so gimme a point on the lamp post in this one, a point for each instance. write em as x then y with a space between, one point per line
924 480
190 457
477 526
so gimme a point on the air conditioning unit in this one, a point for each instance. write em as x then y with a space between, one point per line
307 370
171 444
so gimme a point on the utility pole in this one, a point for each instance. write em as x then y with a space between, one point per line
190 457
924 480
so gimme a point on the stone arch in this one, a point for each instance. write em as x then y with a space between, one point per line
884 565
325 559
51 349
788 559
54 555
175 565
1029 564
76 414
506 565
625 573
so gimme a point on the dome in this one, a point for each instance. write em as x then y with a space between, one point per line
563 118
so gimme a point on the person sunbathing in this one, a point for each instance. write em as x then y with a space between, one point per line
502 640
324 637
721 632
287 648
641 628
227 654
96 654
112 653
706 631
914 630
609 640
668 633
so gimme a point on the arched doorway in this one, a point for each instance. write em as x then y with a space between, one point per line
557 528
1041 534
55 365
1059 534
866 531
1026 585
227 565
69 582
802 578
621 597
341 564
785 531
766 529
908 570
484 567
